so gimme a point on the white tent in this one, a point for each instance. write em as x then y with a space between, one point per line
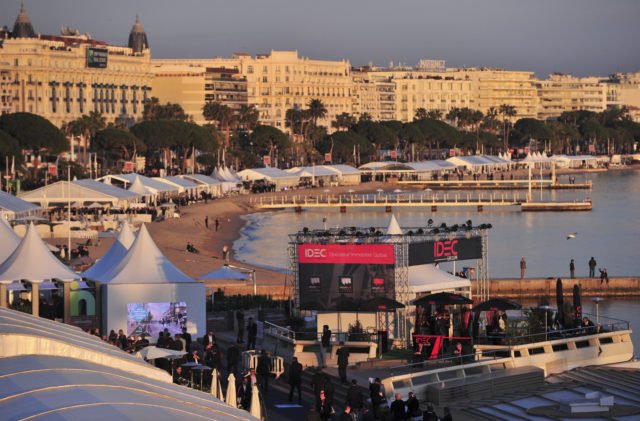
113 256
224 273
138 188
144 276
50 370
394 227
430 279
9 240
12 207
33 261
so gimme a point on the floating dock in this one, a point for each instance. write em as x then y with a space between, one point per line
422 200
496 185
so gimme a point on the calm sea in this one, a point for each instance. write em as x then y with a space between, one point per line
610 233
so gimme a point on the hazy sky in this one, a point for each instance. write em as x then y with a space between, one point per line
583 37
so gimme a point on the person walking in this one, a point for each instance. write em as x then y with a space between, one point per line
354 396
523 267
206 222
592 267
572 269
295 379
343 362
217 224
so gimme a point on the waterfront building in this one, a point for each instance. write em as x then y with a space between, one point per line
61 77
623 90
560 93
275 82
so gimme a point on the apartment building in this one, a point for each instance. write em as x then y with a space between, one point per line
561 92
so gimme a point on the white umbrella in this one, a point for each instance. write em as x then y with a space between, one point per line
351 191
153 352
95 205
231 398
397 191
256 408
226 273
216 387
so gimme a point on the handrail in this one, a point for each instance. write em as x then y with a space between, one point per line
450 361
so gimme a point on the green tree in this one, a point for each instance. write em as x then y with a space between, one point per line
343 121
267 140
507 112
420 114
34 133
9 148
435 114
153 110
115 144
85 127
223 115
317 111
342 146
248 116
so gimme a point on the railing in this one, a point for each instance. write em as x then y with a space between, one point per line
450 361
336 337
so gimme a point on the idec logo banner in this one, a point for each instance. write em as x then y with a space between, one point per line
443 250
380 254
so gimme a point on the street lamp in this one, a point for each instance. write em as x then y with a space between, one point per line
597 301
545 309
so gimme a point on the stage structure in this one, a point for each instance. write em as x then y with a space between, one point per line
335 270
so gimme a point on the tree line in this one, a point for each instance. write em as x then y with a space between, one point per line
234 137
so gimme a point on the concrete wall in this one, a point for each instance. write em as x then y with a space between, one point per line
532 288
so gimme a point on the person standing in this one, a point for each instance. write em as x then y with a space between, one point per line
343 361
252 333
206 222
295 379
375 392
572 269
397 409
326 338
413 406
263 370
592 267
244 394
240 323
233 358
523 267
354 396
217 224
447 414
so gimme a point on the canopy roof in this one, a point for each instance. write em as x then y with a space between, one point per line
478 160
139 188
113 256
200 179
79 191
144 263
268 173
53 370
224 273
181 183
324 171
16 205
33 261
9 240
394 227
428 278
154 186
409 167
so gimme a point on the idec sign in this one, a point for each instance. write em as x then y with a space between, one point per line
443 250
379 254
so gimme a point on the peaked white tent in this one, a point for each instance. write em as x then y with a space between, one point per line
394 227
32 261
9 240
113 256
138 188
224 273
143 278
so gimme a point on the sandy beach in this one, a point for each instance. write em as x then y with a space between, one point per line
172 236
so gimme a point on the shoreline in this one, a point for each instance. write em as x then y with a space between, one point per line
172 235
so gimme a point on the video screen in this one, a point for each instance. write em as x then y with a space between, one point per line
152 318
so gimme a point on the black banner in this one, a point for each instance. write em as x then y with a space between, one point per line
445 250
335 286
97 58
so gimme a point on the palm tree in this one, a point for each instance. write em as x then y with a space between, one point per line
248 116
343 121
507 111
454 116
317 111
435 114
421 114
86 126
222 114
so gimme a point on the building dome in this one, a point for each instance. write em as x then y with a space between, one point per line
138 38
23 28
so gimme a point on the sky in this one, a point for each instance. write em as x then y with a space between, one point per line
581 37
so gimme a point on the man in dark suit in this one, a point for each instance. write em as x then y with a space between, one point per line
208 338
244 394
295 379
187 338
375 391
252 333
240 323
343 361
233 358
354 396
263 370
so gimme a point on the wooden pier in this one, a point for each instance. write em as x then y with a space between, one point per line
496 184
432 201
